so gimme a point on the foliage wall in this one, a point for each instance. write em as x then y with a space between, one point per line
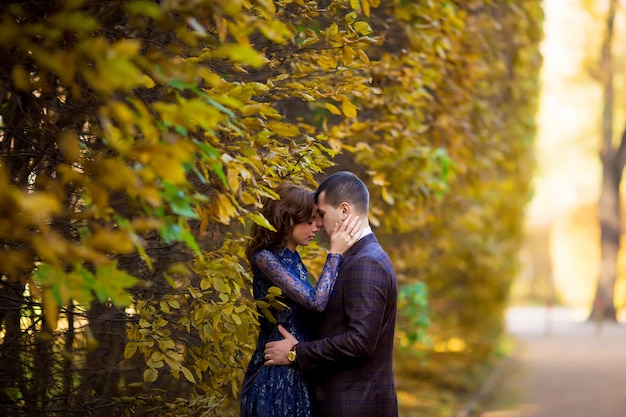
467 246
137 138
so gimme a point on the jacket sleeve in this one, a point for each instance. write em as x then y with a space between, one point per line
365 297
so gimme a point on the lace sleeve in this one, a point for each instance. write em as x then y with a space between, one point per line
301 292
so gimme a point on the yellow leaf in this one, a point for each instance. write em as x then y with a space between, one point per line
58 62
187 374
123 114
113 173
283 129
332 108
335 144
239 53
295 86
111 240
360 127
267 8
261 221
275 290
205 283
21 78
150 375
348 108
274 30
225 209
151 195
363 28
125 48
165 307
168 169
178 268
233 178
155 364
251 109
347 55
174 356
332 30
387 197
308 42
268 315
69 144
129 350
167 344
363 56
38 206
366 7
50 309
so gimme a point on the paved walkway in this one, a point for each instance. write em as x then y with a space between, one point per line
565 367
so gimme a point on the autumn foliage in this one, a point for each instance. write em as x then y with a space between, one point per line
138 137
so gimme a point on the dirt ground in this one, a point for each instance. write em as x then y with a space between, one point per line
564 366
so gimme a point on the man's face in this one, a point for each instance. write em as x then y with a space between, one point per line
327 215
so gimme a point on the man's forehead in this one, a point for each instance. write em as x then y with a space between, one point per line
321 198
320 203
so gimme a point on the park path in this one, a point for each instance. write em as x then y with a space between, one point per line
564 366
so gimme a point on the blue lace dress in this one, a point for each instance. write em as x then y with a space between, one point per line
281 391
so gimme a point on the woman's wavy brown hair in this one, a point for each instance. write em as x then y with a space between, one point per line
295 206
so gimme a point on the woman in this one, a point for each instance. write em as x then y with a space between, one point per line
281 390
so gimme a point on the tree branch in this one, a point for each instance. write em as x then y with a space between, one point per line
621 153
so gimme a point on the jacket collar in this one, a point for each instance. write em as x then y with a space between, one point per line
365 240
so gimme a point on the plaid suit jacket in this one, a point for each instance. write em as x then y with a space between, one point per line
350 362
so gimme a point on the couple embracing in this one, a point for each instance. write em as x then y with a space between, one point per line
331 351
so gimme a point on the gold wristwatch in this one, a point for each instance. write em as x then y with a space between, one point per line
291 355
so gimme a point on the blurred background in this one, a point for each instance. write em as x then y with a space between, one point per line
561 254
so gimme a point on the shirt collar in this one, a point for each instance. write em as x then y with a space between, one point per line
364 232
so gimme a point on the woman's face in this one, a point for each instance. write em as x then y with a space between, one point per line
302 233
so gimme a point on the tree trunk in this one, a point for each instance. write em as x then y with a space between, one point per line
610 233
609 214
12 381
100 377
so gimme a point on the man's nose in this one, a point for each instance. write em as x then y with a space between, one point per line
318 222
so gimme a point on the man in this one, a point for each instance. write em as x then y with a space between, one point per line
351 360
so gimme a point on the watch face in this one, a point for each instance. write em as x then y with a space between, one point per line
291 355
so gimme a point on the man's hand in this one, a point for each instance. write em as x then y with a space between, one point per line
276 352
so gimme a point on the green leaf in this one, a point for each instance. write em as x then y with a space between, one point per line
113 282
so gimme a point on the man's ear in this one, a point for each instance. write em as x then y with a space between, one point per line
346 209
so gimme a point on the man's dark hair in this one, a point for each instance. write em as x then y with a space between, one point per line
345 186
